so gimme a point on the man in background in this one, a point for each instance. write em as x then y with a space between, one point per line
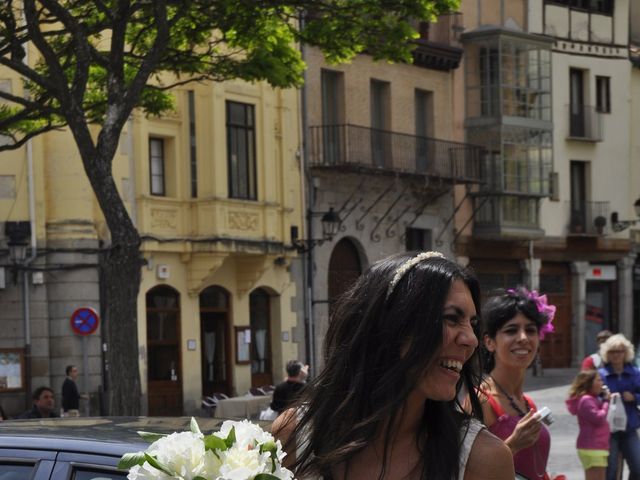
43 404
70 395
594 361
287 391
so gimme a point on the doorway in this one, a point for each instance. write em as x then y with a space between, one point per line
260 319
164 371
344 268
555 348
215 315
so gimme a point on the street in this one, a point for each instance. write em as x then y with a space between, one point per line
551 390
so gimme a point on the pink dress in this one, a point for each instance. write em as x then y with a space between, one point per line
532 461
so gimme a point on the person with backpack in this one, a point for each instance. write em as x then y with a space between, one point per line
594 361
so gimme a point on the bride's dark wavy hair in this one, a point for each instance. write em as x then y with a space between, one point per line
376 351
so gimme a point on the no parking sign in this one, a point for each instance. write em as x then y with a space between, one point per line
84 321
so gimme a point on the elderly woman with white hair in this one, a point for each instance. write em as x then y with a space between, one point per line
620 375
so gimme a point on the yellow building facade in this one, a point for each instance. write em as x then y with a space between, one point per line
213 188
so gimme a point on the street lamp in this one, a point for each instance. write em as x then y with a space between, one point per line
330 224
618 225
18 233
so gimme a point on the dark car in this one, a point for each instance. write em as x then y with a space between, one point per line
81 448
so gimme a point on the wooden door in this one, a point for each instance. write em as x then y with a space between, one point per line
555 282
164 371
344 269
215 356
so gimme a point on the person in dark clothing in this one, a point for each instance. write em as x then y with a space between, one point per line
43 404
70 395
288 390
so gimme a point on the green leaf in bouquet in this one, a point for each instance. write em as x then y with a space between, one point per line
194 427
213 443
129 460
271 448
265 476
157 465
231 438
151 437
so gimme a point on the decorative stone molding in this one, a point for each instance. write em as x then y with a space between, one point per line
200 268
243 221
249 269
164 218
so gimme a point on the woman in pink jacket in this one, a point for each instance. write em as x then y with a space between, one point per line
590 404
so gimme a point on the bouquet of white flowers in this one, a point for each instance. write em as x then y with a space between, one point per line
239 451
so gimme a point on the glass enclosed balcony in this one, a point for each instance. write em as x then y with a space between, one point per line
508 105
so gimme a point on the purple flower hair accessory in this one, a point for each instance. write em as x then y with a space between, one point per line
548 311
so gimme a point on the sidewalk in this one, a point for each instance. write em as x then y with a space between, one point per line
551 390
551 377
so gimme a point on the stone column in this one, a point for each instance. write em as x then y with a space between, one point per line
578 309
625 294
531 272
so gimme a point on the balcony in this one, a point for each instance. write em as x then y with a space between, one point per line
438 47
507 216
585 123
587 218
351 147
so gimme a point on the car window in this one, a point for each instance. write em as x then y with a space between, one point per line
15 471
91 474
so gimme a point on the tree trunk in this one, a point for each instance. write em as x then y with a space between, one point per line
121 270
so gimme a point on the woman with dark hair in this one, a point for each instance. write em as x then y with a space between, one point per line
400 345
514 324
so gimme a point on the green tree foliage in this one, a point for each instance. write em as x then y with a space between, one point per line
92 62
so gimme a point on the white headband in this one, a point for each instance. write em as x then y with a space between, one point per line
408 265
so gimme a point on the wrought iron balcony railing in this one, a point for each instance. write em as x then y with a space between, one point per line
585 123
588 218
368 148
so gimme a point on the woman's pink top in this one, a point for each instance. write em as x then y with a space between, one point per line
592 420
531 461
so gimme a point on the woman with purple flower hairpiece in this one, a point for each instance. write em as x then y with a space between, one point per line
514 324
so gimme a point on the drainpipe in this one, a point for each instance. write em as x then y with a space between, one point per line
307 194
531 286
26 312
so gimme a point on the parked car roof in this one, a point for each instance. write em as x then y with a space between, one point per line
82 448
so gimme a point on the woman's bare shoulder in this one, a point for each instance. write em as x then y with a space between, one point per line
284 425
490 459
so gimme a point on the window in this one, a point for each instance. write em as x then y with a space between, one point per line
603 95
332 114
417 239
156 166
578 175
593 6
192 145
576 103
241 150
380 135
423 102
85 474
8 470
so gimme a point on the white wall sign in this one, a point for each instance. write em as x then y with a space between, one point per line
602 272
